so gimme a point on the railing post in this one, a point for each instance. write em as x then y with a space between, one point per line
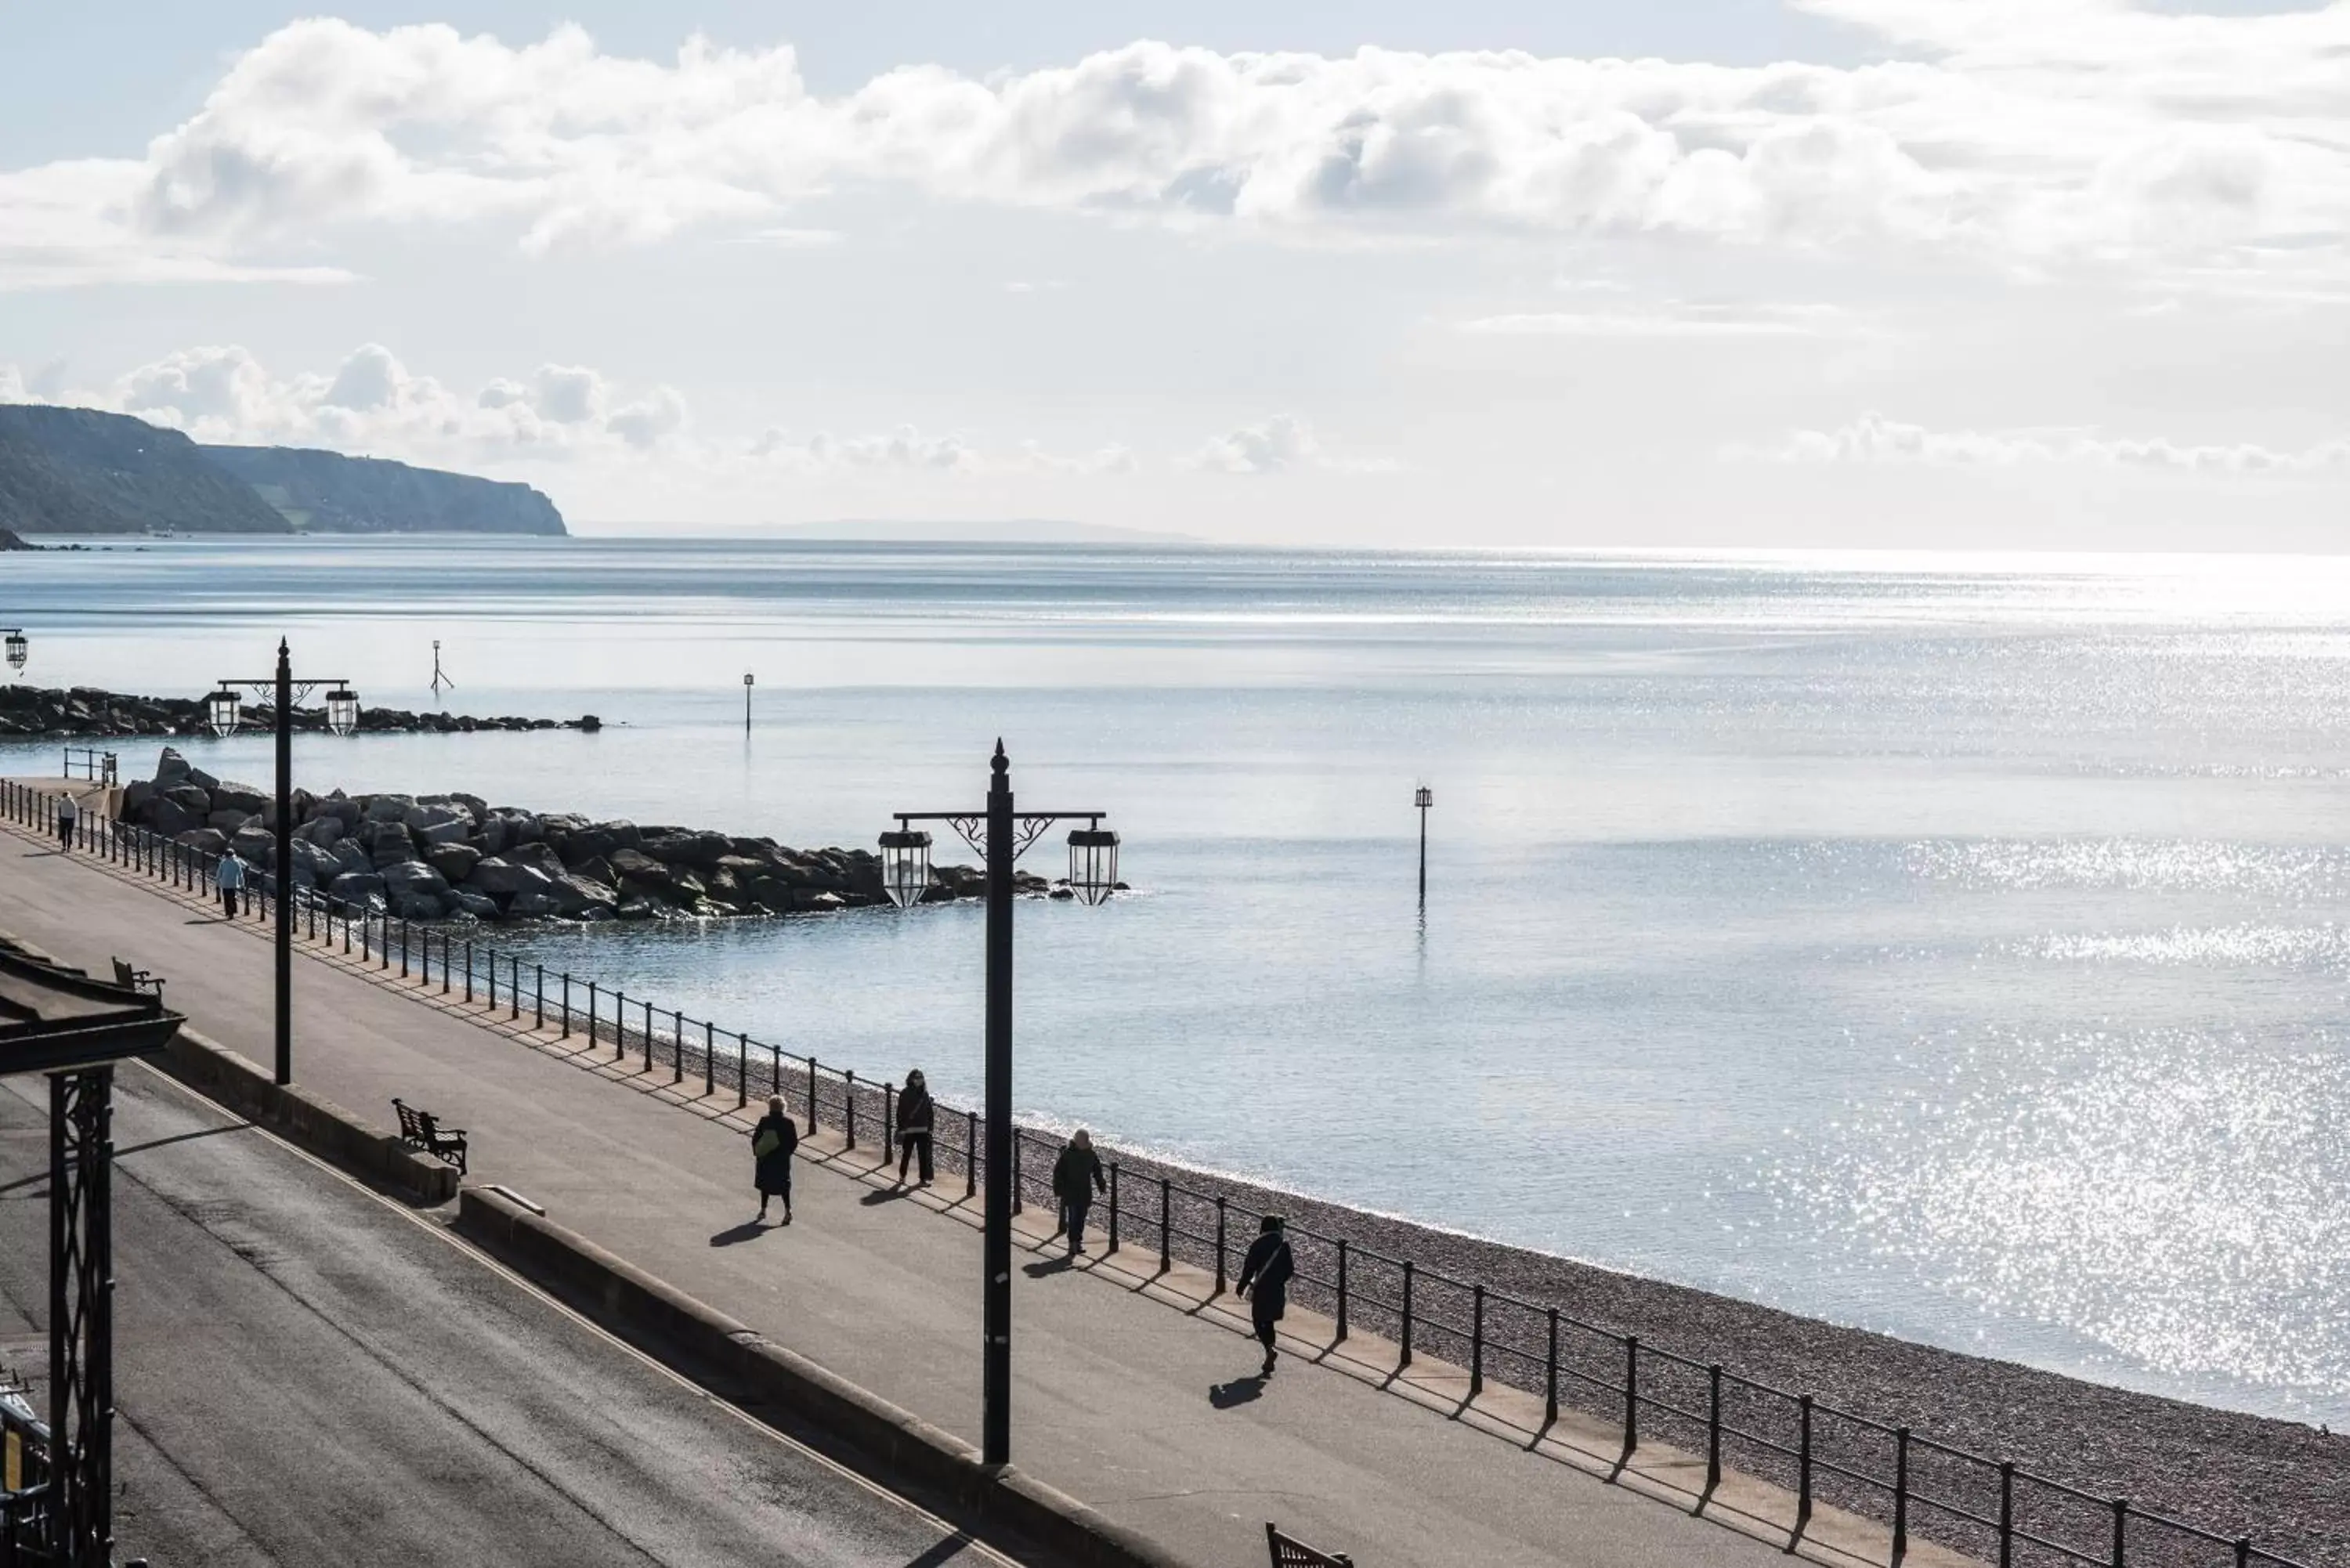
742 1069
811 1094
1803 1466
1017 1208
969 1153
1550 1367
2121 1532
889 1117
366 934
775 1069
709 1059
2243 1551
849 1116
403 947
648 1037
1166 1230
2006 1513
538 1013
1341 1337
1476 1340
514 991
591 1007
1900 1495
1113 1205
1712 1428
677 1048
619 1024
444 964
1631 1394
493 980
567 1003
1220 1243
469 972
1404 1360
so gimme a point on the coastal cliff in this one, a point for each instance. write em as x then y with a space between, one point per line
77 471
87 472
326 493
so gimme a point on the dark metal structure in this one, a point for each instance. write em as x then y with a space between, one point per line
62 1022
1423 798
223 711
1001 836
18 648
1288 1551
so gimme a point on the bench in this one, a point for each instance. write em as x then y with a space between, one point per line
130 979
1292 1554
422 1131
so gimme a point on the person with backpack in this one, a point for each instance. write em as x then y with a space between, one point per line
915 1113
68 816
771 1143
230 879
1268 1266
1077 1176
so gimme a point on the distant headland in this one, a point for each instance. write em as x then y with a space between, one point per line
84 472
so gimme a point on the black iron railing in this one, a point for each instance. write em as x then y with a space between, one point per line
89 762
26 1537
1987 1506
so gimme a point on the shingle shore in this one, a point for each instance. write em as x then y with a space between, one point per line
2279 1482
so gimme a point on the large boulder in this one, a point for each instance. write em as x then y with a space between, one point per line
170 818
355 887
506 879
239 797
540 857
454 861
410 878
170 769
192 798
389 807
321 867
135 796
324 832
415 906
387 843
202 839
431 825
341 808
580 899
464 900
473 804
352 855
256 844
682 846
639 875
599 841
534 905
229 822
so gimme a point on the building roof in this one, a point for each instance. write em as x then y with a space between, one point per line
53 1018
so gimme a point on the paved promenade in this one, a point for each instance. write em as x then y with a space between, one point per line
1140 1409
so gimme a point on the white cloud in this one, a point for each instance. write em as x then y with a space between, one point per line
1873 439
2029 133
1281 444
1671 318
907 449
372 403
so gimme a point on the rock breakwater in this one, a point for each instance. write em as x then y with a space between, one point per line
455 857
85 711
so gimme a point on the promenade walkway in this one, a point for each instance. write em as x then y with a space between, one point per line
1142 1410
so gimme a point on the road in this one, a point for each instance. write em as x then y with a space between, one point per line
307 1373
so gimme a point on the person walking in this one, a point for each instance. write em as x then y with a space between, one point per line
915 1113
1077 1176
1268 1267
68 817
230 879
771 1143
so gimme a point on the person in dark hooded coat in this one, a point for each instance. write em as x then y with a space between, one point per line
771 1143
1268 1268
916 1111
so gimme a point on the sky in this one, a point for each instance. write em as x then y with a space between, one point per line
1723 274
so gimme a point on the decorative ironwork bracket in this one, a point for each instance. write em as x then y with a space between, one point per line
1027 827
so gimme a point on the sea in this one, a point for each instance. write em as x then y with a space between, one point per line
1954 946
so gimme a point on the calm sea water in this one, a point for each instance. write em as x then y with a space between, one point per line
1954 947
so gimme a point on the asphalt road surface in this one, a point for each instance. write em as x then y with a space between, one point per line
305 1373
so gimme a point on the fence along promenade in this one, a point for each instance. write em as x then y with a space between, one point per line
1987 1507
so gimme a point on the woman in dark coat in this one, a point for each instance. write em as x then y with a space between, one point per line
915 1113
772 1142
1268 1267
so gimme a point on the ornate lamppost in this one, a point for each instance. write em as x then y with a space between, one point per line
1001 836
223 711
1423 798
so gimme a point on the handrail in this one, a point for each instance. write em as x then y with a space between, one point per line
1624 1385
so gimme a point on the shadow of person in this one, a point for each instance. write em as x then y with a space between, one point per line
885 1194
945 1552
749 1231
1060 1266
1238 1391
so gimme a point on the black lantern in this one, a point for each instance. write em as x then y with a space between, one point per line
342 709
18 650
221 709
1093 863
1423 797
905 866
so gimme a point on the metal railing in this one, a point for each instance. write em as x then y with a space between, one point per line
24 1477
1988 1507
89 762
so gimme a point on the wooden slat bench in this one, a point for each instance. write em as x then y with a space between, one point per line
422 1130
130 979
1292 1554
